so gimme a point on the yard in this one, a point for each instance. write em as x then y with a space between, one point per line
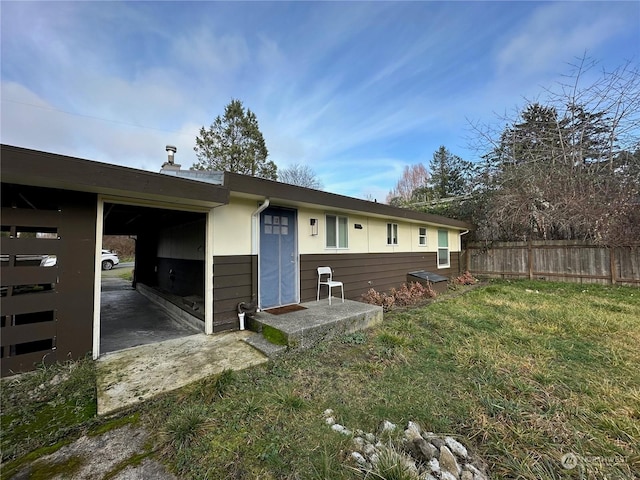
521 373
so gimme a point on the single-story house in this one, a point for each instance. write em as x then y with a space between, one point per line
219 242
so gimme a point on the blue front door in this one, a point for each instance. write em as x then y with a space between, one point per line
278 258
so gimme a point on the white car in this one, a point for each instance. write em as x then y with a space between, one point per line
109 259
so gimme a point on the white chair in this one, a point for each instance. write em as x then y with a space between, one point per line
329 282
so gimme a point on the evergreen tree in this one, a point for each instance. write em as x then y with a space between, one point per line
234 143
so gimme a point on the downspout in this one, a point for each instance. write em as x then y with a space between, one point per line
255 223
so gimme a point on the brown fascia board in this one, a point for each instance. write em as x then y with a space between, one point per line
32 167
261 187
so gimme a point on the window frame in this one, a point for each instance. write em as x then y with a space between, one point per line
336 220
422 237
392 240
443 248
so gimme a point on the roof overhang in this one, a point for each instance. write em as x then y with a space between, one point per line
292 195
32 167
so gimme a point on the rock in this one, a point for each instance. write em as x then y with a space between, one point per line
328 412
466 475
437 442
330 420
370 437
444 475
456 447
434 465
428 476
336 427
477 474
359 442
374 459
387 426
358 458
412 432
369 450
424 450
448 462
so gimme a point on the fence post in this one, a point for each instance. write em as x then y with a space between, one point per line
612 264
530 259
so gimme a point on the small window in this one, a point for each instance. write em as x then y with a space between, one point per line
422 236
337 231
443 249
392 234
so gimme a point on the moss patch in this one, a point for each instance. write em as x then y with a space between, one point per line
274 335
45 470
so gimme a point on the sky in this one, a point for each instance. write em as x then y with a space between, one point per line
355 90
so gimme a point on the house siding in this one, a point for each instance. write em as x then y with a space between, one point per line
234 281
360 272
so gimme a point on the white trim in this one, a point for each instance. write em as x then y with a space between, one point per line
326 223
208 276
448 265
97 281
395 230
426 230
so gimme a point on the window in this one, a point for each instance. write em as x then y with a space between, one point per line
443 249
392 233
337 231
422 236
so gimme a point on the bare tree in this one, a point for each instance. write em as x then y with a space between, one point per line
414 177
566 167
301 175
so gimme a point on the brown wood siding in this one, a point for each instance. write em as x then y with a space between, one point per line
47 312
360 272
233 282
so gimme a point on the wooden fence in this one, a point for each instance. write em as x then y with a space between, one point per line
563 261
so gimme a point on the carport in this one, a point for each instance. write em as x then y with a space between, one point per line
77 201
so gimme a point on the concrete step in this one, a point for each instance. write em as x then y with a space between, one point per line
318 321
264 346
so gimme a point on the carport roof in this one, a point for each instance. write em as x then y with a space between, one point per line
32 167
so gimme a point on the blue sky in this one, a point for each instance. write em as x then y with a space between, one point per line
355 90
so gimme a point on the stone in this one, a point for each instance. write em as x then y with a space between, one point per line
328 412
412 433
424 450
434 465
359 442
448 462
369 450
374 459
336 427
456 447
477 474
358 458
330 420
387 426
370 437
444 475
428 476
437 442
466 475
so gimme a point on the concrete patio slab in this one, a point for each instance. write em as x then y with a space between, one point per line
135 374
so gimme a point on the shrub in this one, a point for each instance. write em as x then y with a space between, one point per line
407 294
465 279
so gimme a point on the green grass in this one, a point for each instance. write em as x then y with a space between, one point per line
520 377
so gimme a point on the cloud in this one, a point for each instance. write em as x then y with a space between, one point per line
557 33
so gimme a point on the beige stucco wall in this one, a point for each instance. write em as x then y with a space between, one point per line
232 227
233 230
